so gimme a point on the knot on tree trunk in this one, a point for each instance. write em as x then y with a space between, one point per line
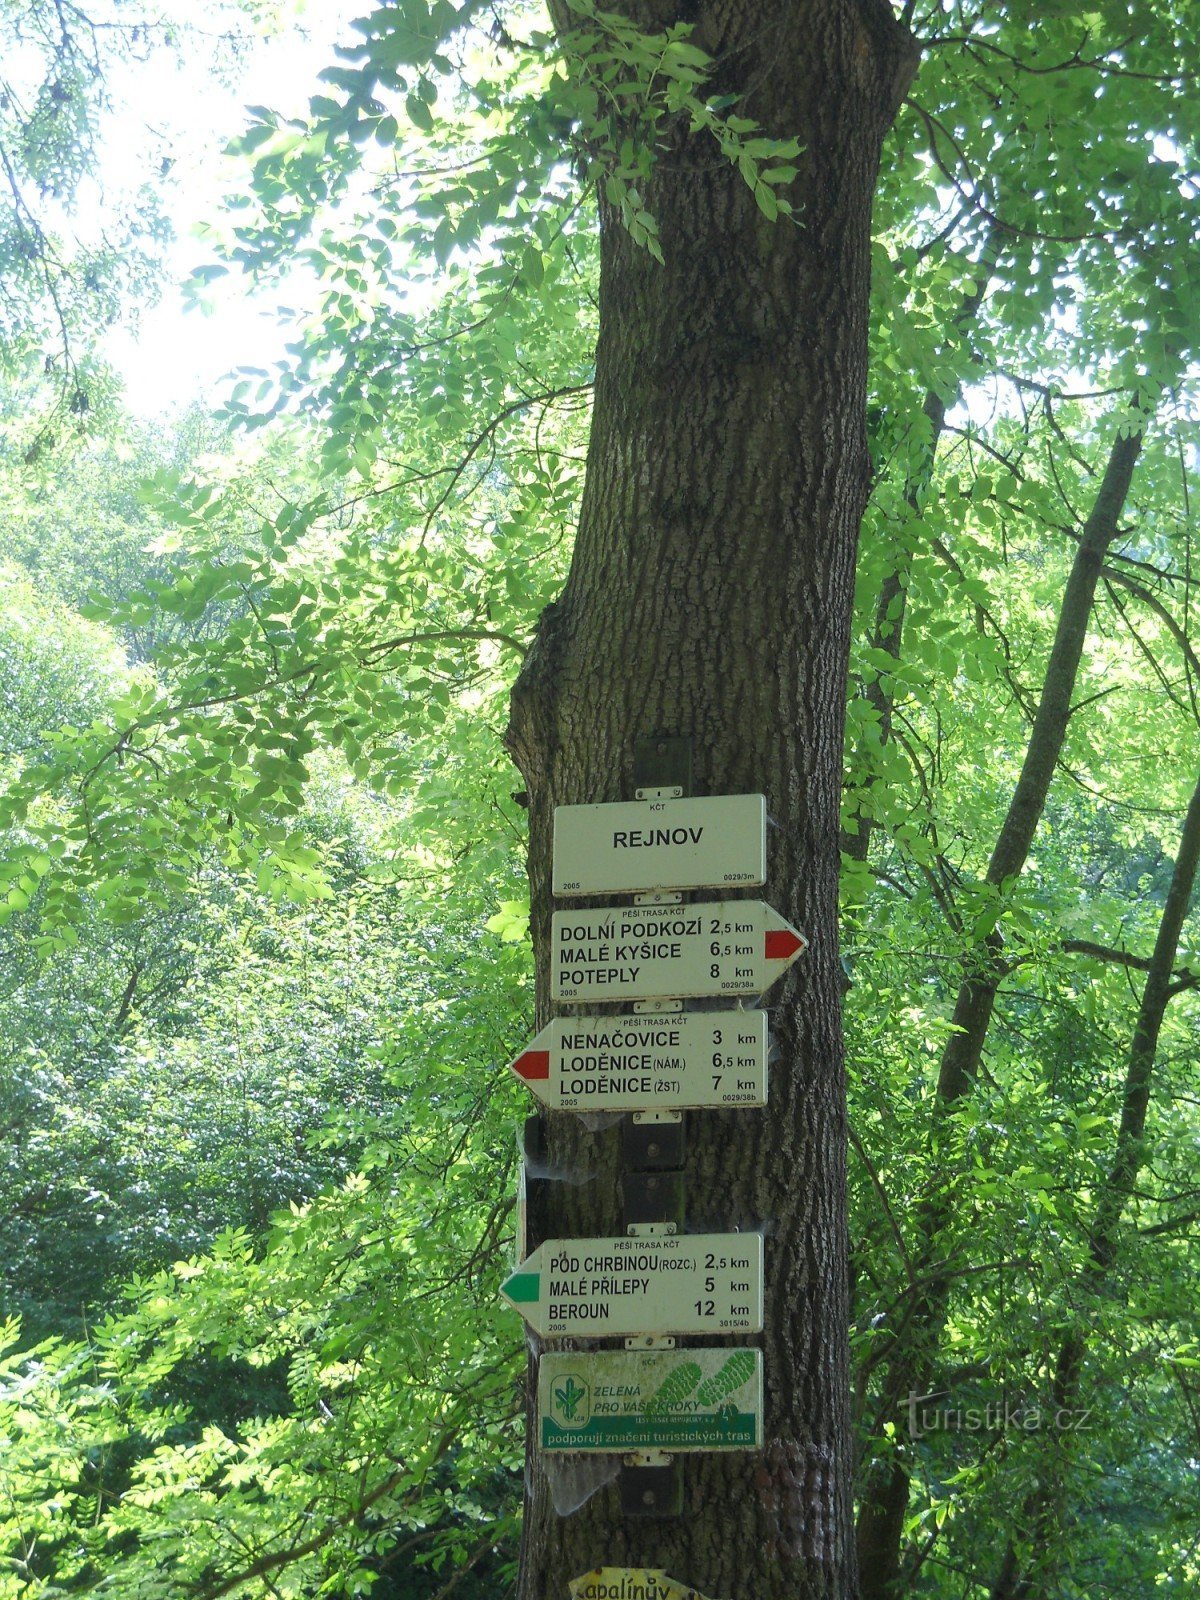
530 737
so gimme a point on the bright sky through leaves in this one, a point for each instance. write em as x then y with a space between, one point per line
175 354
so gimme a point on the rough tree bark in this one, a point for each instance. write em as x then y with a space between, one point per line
710 595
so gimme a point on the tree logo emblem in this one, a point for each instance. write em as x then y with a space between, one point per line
570 1396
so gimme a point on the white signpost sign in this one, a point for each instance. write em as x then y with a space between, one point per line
610 1288
626 1400
714 947
665 1062
714 843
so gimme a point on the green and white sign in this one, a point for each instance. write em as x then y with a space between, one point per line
714 843
671 1400
610 1288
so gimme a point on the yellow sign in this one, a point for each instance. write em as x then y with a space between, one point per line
631 1583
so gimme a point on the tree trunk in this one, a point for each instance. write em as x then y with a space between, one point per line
710 595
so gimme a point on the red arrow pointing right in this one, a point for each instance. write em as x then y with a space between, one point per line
782 943
534 1064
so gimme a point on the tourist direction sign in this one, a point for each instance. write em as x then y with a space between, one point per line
665 1062
631 1583
713 843
609 1288
626 1400
714 947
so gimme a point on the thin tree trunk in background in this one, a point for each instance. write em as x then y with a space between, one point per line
1015 1581
710 595
888 631
884 1500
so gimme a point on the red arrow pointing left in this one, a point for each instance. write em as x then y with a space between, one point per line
532 1064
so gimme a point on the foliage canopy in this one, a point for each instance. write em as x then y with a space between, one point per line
264 950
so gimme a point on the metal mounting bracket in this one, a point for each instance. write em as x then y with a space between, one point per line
662 767
651 1490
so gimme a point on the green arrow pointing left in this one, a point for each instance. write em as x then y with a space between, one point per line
523 1288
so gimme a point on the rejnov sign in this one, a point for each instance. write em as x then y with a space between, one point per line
714 947
671 1061
672 1400
713 843
610 1288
